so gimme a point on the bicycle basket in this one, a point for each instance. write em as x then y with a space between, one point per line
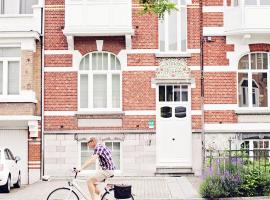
122 191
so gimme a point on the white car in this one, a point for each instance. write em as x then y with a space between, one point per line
10 174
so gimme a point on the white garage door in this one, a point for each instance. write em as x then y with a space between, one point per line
17 142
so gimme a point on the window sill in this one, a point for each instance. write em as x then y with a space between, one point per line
100 113
254 111
17 99
173 54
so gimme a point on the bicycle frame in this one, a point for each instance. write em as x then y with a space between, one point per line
74 185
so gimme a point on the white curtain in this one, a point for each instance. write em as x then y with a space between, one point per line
116 91
13 77
11 6
10 52
84 91
100 91
1 78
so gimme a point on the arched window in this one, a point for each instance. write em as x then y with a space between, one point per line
100 82
253 71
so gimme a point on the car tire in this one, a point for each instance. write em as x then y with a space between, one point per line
7 186
19 181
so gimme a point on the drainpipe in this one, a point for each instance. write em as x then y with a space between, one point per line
202 86
42 89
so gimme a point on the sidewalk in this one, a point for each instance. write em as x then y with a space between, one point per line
144 188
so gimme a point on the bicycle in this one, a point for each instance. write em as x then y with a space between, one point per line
71 192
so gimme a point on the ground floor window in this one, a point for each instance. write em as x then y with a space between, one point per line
257 149
115 147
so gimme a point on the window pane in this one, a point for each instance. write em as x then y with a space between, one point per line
100 91
243 62
1 77
116 91
259 61
112 62
105 61
10 52
169 92
166 112
259 89
161 93
265 61
161 35
118 65
177 93
253 61
183 33
85 155
180 112
99 62
184 96
94 61
11 6
84 91
243 89
266 144
265 2
84 65
13 77
116 159
109 145
172 31
26 6
255 144
250 2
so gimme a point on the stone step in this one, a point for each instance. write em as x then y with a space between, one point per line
173 171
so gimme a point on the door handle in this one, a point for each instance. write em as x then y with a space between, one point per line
173 139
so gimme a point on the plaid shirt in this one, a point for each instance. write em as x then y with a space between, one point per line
104 156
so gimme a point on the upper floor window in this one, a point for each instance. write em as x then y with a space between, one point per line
17 6
100 82
9 70
253 73
257 2
173 29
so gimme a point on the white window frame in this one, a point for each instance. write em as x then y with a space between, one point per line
258 3
166 30
121 154
250 71
109 74
5 61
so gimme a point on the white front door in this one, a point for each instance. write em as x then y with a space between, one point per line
174 135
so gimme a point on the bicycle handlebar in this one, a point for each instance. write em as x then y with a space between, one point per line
75 171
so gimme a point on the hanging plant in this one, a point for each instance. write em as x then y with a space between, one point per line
158 7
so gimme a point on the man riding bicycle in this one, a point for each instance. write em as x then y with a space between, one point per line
107 167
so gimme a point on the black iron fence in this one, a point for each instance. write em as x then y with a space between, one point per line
222 160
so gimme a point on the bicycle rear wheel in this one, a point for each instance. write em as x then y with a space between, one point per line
110 196
63 194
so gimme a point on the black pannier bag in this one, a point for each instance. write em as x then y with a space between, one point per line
122 191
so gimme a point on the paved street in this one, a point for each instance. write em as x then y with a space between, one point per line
145 188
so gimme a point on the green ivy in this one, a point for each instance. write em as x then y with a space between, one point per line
158 7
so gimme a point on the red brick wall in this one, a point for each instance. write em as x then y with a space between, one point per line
54 23
213 2
215 52
60 123
137 122
259 47
194 60
193 27
220 88
137 91
61 91
146 30
142 60
213 19
88 44
196 92
196 122
58 60
220 117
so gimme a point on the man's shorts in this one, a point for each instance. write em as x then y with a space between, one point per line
102 175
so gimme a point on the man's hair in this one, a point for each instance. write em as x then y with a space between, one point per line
91 139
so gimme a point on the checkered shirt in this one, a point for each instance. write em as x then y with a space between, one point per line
104 156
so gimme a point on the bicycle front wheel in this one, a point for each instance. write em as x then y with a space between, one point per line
110 196
63 194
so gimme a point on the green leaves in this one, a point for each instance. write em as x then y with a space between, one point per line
158 7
